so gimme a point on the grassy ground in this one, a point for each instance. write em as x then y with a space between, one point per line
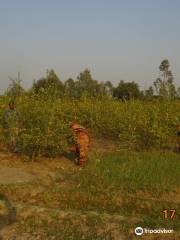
107 199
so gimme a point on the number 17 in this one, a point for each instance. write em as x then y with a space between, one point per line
169 213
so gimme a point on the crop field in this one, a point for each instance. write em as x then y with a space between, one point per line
90 120
44 123
130 179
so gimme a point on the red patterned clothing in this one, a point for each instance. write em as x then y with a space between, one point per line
81 146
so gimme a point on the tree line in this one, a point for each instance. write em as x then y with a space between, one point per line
163 87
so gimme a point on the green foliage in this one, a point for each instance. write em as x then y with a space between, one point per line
149 93
44 127
85 85
132 170
48 108
164 85
15 88
127 90
50 84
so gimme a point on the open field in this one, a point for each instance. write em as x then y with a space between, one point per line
114 193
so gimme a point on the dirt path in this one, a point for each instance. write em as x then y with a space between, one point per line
11 175
17 171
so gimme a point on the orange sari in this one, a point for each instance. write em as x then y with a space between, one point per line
82 141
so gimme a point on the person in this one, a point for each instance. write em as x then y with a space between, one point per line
178 135
81 143
10 123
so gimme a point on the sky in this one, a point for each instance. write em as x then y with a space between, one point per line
115 39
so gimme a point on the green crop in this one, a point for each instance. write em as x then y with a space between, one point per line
140 125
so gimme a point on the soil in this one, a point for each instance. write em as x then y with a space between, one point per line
16 170
11 175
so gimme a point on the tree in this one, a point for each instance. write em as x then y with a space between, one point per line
87 85
149 93
164 85
178 92
108 88
50 84
15 89
71 89
127 90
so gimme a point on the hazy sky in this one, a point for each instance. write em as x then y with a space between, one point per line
115 39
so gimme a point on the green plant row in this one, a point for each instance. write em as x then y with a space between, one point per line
44 123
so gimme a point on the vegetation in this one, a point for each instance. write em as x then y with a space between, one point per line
87 203
47 109
44 128
113 194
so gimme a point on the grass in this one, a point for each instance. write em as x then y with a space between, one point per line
138 185
135 185
154 175
139 171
